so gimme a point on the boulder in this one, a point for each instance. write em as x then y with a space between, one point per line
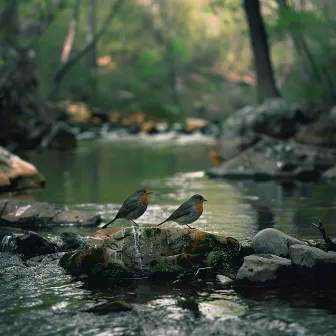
36 214
314 266
265 270
276 117
273 241
150 251
321 132
277 159
17 174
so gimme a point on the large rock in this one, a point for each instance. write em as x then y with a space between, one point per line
322 132
265 270
314 266
273 241
114 253
31 244
17 174
277 159
35 214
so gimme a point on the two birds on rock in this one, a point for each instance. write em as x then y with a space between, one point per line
136 205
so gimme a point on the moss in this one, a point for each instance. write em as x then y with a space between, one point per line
109 272
225 261
207 244
166 268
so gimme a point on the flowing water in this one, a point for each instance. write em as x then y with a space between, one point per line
38 298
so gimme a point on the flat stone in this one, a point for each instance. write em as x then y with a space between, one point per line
77 217
273 241
19 213
264 270
35 214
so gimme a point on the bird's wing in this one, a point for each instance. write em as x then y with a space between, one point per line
184 209
127 207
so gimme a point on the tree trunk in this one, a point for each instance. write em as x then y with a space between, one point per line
259 44
90 33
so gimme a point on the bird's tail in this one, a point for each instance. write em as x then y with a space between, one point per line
166 220
110 222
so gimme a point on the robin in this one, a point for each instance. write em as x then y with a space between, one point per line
133 207
188 212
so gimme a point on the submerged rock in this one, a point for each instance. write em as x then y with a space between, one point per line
17 174
265 270
151 251
36 214
273 241
110 307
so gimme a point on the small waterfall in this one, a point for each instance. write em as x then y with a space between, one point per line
8 244
136 234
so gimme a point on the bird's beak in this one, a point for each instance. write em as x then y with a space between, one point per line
205 200
150 192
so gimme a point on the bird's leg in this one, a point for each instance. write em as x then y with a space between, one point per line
134 222
191 227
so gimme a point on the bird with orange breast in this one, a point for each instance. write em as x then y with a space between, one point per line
188 212
133 207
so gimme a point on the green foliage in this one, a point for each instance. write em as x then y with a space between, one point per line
204 46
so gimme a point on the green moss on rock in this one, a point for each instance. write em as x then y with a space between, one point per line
111 271
166 268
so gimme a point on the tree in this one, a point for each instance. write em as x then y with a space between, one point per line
259 44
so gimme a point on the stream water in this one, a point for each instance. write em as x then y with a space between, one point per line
38 298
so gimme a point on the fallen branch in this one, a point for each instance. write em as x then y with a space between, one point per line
331 246
64 67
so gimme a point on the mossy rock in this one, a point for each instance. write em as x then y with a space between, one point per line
112 271
165 271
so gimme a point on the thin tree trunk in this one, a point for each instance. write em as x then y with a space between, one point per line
90 33
68 43
259 44
65 67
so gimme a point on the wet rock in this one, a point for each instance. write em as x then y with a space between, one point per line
71 241
148 251
265 270
314 266
224 280
17 174
36 214
273 241
111 307
321 132
31 244
277 159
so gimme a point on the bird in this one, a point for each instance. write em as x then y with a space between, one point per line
133 207
188 212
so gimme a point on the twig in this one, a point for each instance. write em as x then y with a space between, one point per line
331 246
